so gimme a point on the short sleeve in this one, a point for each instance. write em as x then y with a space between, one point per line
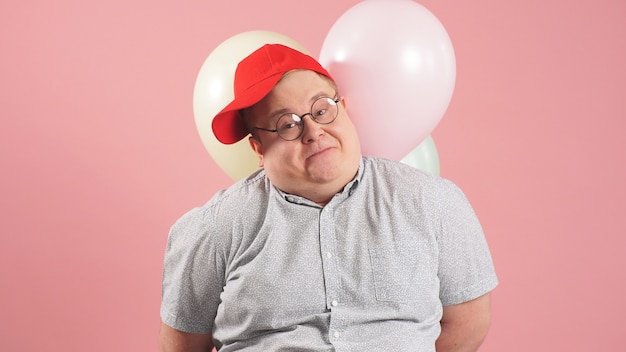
193 274
466 268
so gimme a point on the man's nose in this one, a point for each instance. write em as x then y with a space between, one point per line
312 130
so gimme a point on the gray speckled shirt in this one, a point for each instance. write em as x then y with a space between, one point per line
267 271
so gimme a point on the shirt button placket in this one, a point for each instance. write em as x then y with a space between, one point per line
327 246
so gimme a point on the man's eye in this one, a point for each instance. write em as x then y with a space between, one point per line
320 112
288 121
288 126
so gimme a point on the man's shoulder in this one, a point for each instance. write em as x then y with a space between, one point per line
247 192
254 189
395 170
239 202
397 176
254 185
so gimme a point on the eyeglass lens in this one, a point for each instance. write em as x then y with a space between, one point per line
324 111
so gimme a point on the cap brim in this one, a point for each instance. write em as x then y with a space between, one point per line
228 125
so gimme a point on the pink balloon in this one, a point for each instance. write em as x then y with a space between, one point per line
394 63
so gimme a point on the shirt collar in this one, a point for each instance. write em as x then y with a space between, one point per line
347 191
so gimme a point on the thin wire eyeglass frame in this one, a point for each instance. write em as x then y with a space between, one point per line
300 119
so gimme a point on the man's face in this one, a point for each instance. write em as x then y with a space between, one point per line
324 158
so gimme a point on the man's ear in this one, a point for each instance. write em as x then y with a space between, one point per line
342 100
257 148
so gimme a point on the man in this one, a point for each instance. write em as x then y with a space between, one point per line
322 249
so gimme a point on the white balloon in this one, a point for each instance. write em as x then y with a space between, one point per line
394 63
214 90
424 157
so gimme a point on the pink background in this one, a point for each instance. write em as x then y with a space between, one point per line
100 155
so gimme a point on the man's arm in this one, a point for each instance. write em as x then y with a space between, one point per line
172 340
464 326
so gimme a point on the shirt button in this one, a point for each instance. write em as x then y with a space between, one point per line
334 303
329 255
336 334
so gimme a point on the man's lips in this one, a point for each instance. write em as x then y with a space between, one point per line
319 152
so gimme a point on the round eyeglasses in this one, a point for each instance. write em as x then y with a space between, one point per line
290 126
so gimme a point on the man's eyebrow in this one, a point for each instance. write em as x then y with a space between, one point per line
281 111
320 94
276 113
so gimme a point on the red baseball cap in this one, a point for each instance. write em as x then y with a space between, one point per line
255 77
